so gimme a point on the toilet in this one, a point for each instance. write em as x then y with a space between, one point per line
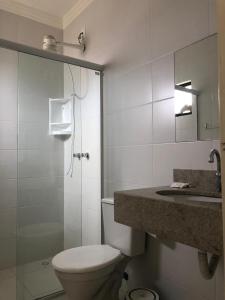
95 272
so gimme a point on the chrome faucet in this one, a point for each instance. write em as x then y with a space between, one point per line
213 153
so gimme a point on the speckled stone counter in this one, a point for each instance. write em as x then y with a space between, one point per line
194 223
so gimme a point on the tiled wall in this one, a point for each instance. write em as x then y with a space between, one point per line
82 192
72 185
91 169
40 161
136 41
25 31
8 156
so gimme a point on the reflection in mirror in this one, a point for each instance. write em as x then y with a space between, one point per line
185 112
196 91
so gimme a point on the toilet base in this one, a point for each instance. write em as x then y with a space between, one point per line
100 285
110 289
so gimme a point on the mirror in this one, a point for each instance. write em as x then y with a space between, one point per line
196 91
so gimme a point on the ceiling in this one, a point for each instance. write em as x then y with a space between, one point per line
53 7
56 13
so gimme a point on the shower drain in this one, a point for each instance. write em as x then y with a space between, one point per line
45 263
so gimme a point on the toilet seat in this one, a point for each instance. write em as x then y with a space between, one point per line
85 259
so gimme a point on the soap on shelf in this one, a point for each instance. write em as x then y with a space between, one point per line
180 185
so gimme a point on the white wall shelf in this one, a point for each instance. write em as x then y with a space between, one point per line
60 116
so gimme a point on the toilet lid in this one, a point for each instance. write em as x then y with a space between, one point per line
85 259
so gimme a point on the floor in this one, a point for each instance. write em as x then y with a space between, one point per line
8 284
63 297
35 280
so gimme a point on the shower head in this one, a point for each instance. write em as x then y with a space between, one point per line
51 44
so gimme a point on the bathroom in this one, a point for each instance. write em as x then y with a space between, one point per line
125 131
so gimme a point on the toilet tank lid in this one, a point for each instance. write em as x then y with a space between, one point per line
108 201
85 259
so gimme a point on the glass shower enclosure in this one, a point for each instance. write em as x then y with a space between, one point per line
52 109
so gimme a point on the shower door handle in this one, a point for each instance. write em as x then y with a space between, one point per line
77 155
82 155
85 155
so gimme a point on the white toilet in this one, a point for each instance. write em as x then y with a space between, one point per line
96 272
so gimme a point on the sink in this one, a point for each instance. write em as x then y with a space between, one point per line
189 216
190 196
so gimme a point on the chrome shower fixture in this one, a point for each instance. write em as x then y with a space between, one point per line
50 43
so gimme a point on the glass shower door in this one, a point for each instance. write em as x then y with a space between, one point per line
48 171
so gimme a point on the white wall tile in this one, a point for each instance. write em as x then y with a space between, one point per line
8 253
8 192
39 215
107 189
35 135
83 190
8 85
130 127
39 80
136 86
8 283
91 144
167 157
8 164
212 17
175 24
7 224
72 217
91 198
73 210
126 90
216 144
164 121
191 280
179 284
8 135
130 165
91 168
91 227
72 197
163 77
116 186
37 163
90 86
112 89
40 191
8 159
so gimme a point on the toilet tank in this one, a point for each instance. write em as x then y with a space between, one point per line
129 241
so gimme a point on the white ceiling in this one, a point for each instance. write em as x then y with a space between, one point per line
56 13
53 7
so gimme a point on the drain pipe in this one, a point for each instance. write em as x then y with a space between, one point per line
207 267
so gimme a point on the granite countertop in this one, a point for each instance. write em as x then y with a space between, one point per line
194 223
